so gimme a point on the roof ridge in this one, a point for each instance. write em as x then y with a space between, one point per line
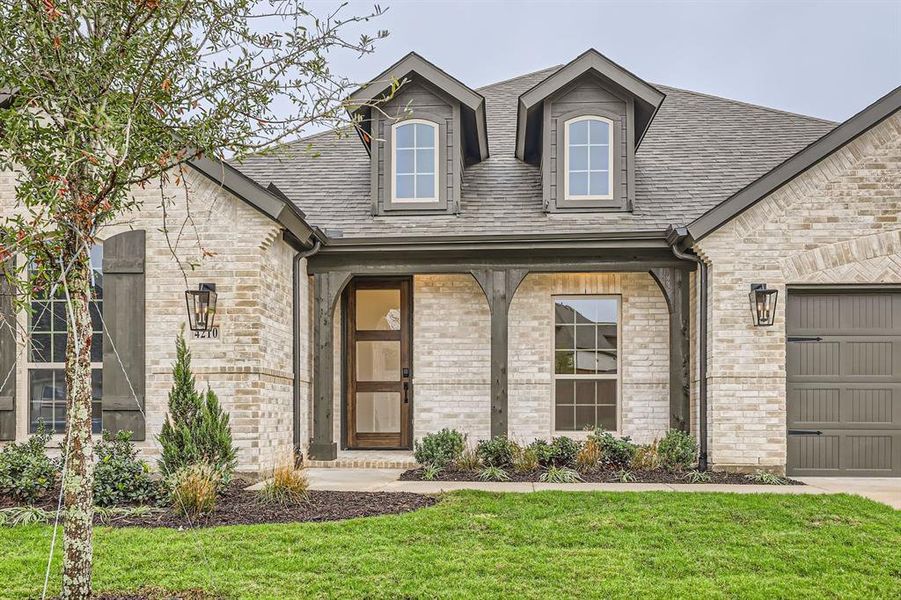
748 104
523 76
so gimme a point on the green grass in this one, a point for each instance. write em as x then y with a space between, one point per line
479 545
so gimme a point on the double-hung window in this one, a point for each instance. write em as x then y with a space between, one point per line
586 362
588 172
415 164
47 354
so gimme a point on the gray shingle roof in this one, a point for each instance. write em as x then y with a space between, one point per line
698 151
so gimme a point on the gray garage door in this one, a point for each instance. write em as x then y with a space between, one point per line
844 383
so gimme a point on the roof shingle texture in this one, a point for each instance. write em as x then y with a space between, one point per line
698 151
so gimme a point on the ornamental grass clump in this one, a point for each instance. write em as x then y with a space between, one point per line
646 457
288 486
440 449
525 460
469 460
555 474
493 473
193 490
27 474
196 430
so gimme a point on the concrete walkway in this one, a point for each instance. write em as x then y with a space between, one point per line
883 490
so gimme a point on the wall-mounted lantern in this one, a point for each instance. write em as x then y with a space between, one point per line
763 304
201 307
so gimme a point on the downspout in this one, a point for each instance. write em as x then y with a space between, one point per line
674 237
296 323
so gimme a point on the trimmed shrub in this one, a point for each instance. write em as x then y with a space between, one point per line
193 490
119 477
196 430
496 452
678 450
617 452
560 452
287 486
27 474
440 449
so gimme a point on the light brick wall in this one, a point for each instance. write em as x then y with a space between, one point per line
451 356
644 359
250 366
836 223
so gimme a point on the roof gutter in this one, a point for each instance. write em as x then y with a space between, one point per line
675 237
297 321
642 239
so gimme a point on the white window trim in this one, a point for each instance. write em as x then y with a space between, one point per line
618 376
30 365
434 198
566 124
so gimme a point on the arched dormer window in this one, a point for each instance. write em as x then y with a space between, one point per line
588 158
415 165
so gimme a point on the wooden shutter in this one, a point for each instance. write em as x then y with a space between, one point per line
123 336
7 362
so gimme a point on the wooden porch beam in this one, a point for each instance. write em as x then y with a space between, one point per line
499 287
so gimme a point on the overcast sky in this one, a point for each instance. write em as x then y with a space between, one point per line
828 59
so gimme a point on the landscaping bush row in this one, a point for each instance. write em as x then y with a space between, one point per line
562 459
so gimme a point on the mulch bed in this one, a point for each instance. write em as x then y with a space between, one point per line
600 476
237 506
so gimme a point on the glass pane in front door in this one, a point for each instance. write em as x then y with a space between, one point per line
378 361
378 412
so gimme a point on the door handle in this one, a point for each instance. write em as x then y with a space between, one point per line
804 432
406 392
804 338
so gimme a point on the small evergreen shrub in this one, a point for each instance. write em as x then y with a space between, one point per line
119 477
193 490
677 450
440 449
560 452
196 430
617 452
496 452
27 474
288 486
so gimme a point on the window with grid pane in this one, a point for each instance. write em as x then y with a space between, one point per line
47 354
415 161
586 362
589 158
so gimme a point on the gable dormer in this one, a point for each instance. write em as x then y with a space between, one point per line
420 139
582 125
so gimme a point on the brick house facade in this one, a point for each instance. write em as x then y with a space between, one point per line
477 260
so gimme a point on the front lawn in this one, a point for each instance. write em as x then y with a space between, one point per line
548 544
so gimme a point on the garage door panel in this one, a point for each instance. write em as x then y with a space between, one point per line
845 453
865 313
843 392
844 358
843 405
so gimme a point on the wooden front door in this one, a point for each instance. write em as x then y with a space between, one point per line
379 396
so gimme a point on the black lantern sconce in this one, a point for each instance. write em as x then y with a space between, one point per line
201 307
763 304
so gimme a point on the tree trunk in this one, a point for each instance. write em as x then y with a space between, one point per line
78 482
